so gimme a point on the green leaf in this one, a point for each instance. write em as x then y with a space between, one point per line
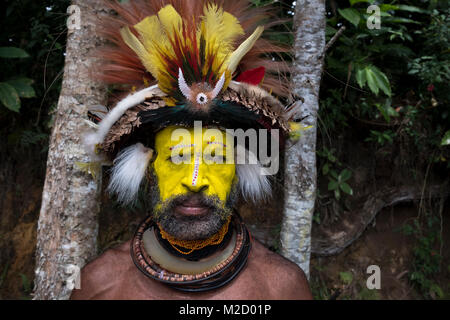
446 139
388 7
352 2
382 81
333 185
337 194
383 112
361 77
405 7
400 20
350 14
387 137
334 174
371 81
23 87
346 277
330 31
331 158
325 169
434 288
9 97
26 285
13 52
391 111
345 175
316 218
346 188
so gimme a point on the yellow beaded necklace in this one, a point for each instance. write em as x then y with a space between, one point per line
192 245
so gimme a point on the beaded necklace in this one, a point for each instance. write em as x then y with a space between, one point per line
192 245
213 278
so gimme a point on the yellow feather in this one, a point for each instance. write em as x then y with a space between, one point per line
134 43
170 19
154 32
231 27
155 40
242 50
219 29
151 32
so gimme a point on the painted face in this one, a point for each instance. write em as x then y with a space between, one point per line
197 172
195 178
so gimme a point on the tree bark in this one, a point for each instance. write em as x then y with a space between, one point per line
67 227
300 159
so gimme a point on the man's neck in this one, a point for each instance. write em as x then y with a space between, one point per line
210 272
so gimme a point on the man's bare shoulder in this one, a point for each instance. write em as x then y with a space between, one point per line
103 271
287 280
117 257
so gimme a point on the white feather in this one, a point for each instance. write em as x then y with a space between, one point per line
254 182
93 138
128 171
218 87
91 124
98 110
184 88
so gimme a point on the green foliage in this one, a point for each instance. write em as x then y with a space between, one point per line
32 46
13 89
412 40
433 66
13 52
346 277
26 287
351 15
374 78
9 97
427 259
387 87
446 139
381 137
367 294
338 182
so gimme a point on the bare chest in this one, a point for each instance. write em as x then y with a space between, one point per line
137 286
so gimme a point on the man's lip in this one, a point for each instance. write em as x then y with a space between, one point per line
189 210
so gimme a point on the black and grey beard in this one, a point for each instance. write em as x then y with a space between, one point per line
191 228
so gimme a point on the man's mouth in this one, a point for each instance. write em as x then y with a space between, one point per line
192 207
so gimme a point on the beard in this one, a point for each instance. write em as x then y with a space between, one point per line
196 227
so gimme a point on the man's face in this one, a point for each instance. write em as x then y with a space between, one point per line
195 184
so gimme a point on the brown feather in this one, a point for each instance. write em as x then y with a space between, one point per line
118 64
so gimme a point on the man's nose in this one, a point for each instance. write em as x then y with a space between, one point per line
196 181
199 187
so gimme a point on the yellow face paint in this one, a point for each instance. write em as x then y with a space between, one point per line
197 169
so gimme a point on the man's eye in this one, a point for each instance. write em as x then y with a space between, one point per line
212 158
175 158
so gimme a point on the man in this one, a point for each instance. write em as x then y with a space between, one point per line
174 149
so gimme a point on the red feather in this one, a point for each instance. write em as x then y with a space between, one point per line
252 76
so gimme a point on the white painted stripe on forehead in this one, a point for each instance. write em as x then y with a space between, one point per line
196 168
217 142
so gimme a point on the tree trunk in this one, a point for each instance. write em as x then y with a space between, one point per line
67 227
300 159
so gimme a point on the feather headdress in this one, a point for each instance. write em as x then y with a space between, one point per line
194 60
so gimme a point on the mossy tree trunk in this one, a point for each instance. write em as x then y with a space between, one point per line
300 160
67 228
